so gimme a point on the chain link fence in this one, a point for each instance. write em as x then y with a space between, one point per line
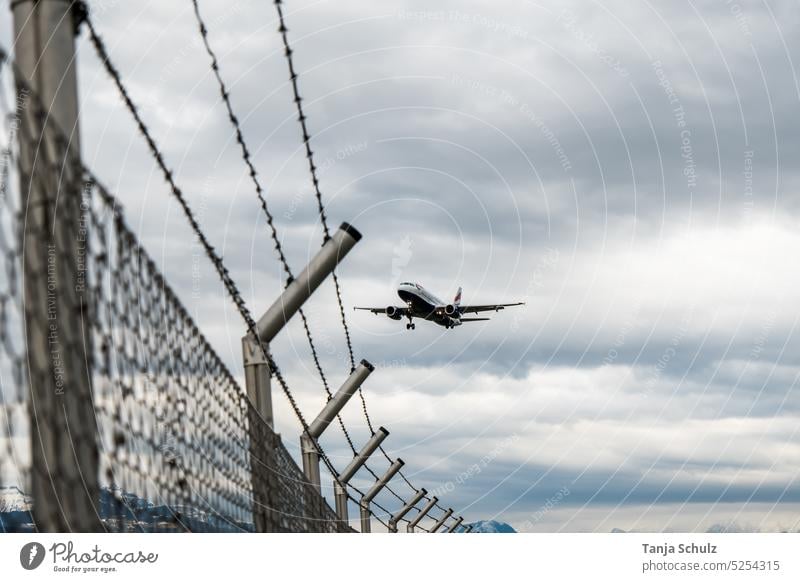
168 440
15 461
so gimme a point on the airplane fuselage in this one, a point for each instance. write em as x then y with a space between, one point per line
424 305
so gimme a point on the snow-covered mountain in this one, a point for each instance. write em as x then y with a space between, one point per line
118 508
12 499
491 526
15 509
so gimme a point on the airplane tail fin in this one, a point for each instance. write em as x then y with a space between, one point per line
457 299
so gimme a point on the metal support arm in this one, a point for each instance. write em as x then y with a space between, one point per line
301 288
317 427
374 490
308 446
423 512
335 404
340 486
441 521
405 509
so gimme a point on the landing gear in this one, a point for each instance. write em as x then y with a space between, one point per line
410 324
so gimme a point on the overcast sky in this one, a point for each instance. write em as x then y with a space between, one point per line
628 169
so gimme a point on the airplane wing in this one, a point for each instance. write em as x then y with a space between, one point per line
480 308
385 310
474 319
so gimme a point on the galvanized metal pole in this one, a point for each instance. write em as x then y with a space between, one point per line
257 383
301 288
423 512
257 378
257 374
340 485
405 509
310 454
64 472
322 421
455 526
370 495
441 521
335 404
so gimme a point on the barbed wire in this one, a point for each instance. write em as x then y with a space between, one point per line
312 167
112 203
209 250
253 173
216 260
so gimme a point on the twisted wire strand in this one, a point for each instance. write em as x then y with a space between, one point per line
211 253
312 167
253 173
216 260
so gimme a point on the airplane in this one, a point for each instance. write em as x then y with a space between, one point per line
421 304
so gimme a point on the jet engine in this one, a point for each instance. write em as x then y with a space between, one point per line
450 309
393 312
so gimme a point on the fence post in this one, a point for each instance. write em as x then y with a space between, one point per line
423 512
297 291
257 378
370 495
262 453
64 474
405 509
441 521
340 484
308 440
257 373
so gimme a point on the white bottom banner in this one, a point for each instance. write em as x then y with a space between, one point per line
388 557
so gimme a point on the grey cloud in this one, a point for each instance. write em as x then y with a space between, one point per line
591 166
